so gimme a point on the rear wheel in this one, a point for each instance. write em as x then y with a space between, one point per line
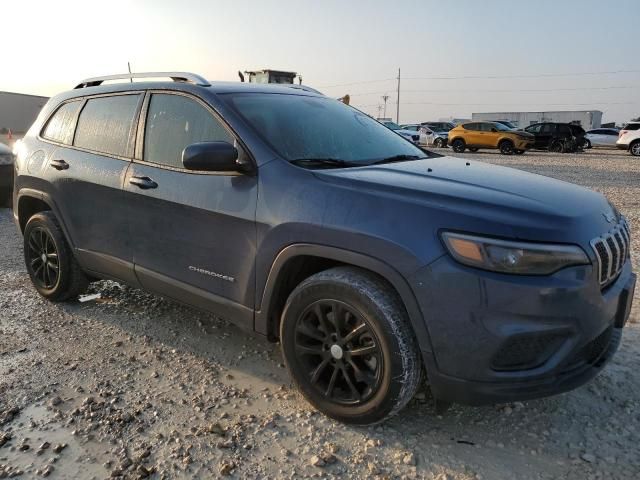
556 146
458 145
635 148
438 143
506 147
586 143
50 263
347 342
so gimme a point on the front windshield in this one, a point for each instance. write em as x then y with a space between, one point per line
306 127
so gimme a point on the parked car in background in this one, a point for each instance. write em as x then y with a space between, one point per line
476 135
411 135
6 175
601 137
428 136
629 138
439 126
557 137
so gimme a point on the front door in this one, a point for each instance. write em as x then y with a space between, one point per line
193 233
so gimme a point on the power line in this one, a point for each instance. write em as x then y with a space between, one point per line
489 77
511 104
499 90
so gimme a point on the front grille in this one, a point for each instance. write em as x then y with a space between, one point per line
612 250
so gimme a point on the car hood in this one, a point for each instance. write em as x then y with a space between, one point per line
523 204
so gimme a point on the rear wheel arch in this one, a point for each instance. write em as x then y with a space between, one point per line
296 263
28 205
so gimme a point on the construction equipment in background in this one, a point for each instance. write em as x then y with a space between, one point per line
346 99
270 76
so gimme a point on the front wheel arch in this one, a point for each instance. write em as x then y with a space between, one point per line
268 313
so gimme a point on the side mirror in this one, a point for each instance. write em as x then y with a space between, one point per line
211 157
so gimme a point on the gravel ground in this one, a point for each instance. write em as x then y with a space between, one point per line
137 386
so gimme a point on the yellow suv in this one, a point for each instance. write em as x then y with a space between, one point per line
476 135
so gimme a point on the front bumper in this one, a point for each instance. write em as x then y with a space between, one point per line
524 144
497 338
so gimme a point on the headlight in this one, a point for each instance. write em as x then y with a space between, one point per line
6 159
518 258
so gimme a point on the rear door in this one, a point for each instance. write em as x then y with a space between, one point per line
87 170
473 135
193 233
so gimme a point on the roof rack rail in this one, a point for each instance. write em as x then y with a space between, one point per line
184 77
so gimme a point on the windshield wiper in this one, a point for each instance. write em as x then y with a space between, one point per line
398 158
328 162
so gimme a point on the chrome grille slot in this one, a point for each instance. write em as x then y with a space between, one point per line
612 250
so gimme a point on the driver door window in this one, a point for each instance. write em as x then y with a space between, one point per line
175 122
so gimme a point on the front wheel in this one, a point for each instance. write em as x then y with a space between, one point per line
507 147
635 149
349 347
458 145
50 263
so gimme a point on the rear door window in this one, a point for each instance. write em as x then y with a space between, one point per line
173 123
472 126
106 125
534 128
548 129
61 125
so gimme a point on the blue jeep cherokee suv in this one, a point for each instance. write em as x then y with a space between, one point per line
301 218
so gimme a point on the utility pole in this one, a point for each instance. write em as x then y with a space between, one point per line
380 110
398 104
385 97
129 67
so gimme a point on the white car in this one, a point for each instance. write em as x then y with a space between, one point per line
428 136
411 135
601 137
629 138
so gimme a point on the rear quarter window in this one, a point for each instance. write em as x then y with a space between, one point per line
632 126
105 124
60 126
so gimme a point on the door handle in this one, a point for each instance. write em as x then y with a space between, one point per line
144 183
59 164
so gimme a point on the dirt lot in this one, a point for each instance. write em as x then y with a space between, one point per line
137 386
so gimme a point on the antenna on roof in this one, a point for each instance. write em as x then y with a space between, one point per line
129 67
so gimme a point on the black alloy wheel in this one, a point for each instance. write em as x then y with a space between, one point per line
458 145
42 259
507 147
339 351
50 262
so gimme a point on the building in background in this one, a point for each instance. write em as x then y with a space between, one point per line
18 111
270 76
587 119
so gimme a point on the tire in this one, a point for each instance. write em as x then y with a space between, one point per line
634 148
556 146
519 152
60 278
473 149
586 144
458 145
438 143
506 147
385 373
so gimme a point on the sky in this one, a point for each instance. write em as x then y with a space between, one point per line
456 58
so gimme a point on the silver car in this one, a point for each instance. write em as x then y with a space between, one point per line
602 137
